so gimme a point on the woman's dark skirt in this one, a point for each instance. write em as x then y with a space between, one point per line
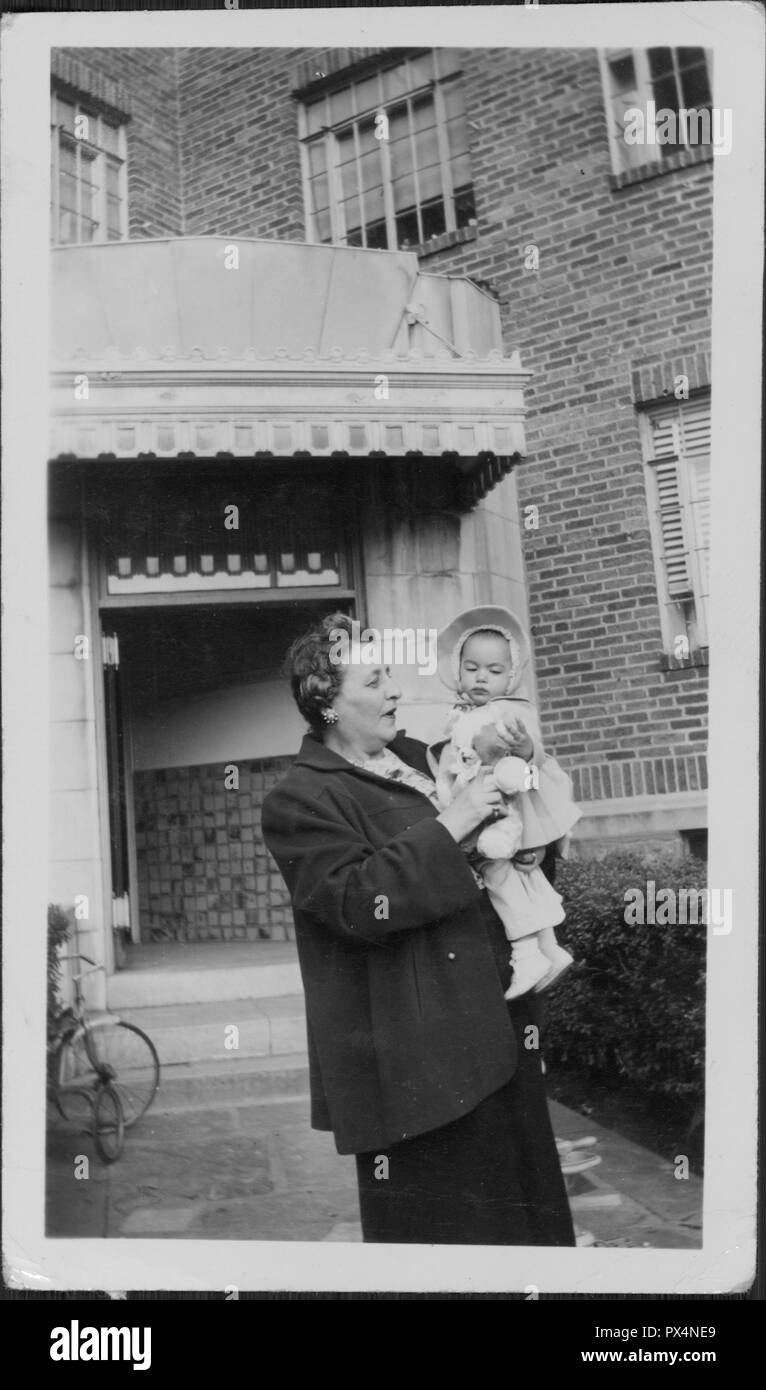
490 1178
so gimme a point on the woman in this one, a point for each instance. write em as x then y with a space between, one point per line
418 1064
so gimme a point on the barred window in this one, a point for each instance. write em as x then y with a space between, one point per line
386 159
670 87
677 453
88 174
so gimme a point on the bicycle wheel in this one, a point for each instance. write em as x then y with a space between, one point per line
108 1123
125 1054
73 1078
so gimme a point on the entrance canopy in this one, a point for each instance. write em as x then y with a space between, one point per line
213 346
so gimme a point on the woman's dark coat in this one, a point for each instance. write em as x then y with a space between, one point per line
407 1025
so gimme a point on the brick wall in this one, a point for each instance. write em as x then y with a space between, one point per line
204 872
240 143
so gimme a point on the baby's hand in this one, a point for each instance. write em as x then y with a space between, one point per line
514 734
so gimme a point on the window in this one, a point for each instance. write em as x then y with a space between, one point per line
385 160
88 174
676 441
668 87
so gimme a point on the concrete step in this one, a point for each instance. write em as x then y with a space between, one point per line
198 1086
254 977
222 1030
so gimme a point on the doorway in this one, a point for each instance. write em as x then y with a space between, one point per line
200 725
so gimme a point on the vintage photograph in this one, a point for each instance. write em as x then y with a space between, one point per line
379 532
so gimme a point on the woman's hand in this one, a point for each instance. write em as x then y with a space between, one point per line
472 805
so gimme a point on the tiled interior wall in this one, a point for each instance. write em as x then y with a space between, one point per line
204 872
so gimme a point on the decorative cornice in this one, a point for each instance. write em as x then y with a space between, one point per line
169 433
157 358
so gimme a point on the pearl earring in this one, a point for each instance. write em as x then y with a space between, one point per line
329 715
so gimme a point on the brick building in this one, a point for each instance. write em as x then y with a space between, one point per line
467 227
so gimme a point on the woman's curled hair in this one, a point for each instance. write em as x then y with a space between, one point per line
314 677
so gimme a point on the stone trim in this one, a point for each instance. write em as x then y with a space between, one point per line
654 380
322 70
82 80
443 242
623 818
684 159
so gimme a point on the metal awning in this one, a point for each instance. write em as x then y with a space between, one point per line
229 346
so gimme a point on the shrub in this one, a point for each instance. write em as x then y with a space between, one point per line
58 932
634 1006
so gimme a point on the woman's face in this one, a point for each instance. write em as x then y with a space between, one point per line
366 708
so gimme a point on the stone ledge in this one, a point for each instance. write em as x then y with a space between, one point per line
641 816
683 159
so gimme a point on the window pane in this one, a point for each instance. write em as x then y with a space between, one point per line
404 193
348 177
367 95
432 217
623 75
315 116
376 235
370 171
457 136
340 106
320 194
426 148
368 141
110 137
68 193
401 157
695 86
666 94
352 218
454 104
465 207
398 123
407 233
461 172
423 114
395 83
660 61
67 227
374 207
430 182
317 157
112 179
65 114
322 225
690 55
113 219
67 157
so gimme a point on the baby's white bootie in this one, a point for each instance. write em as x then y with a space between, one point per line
530 966
559 960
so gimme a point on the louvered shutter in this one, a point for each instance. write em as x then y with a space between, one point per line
674 546
695 427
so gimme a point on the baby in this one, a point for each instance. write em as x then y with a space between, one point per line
482 656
